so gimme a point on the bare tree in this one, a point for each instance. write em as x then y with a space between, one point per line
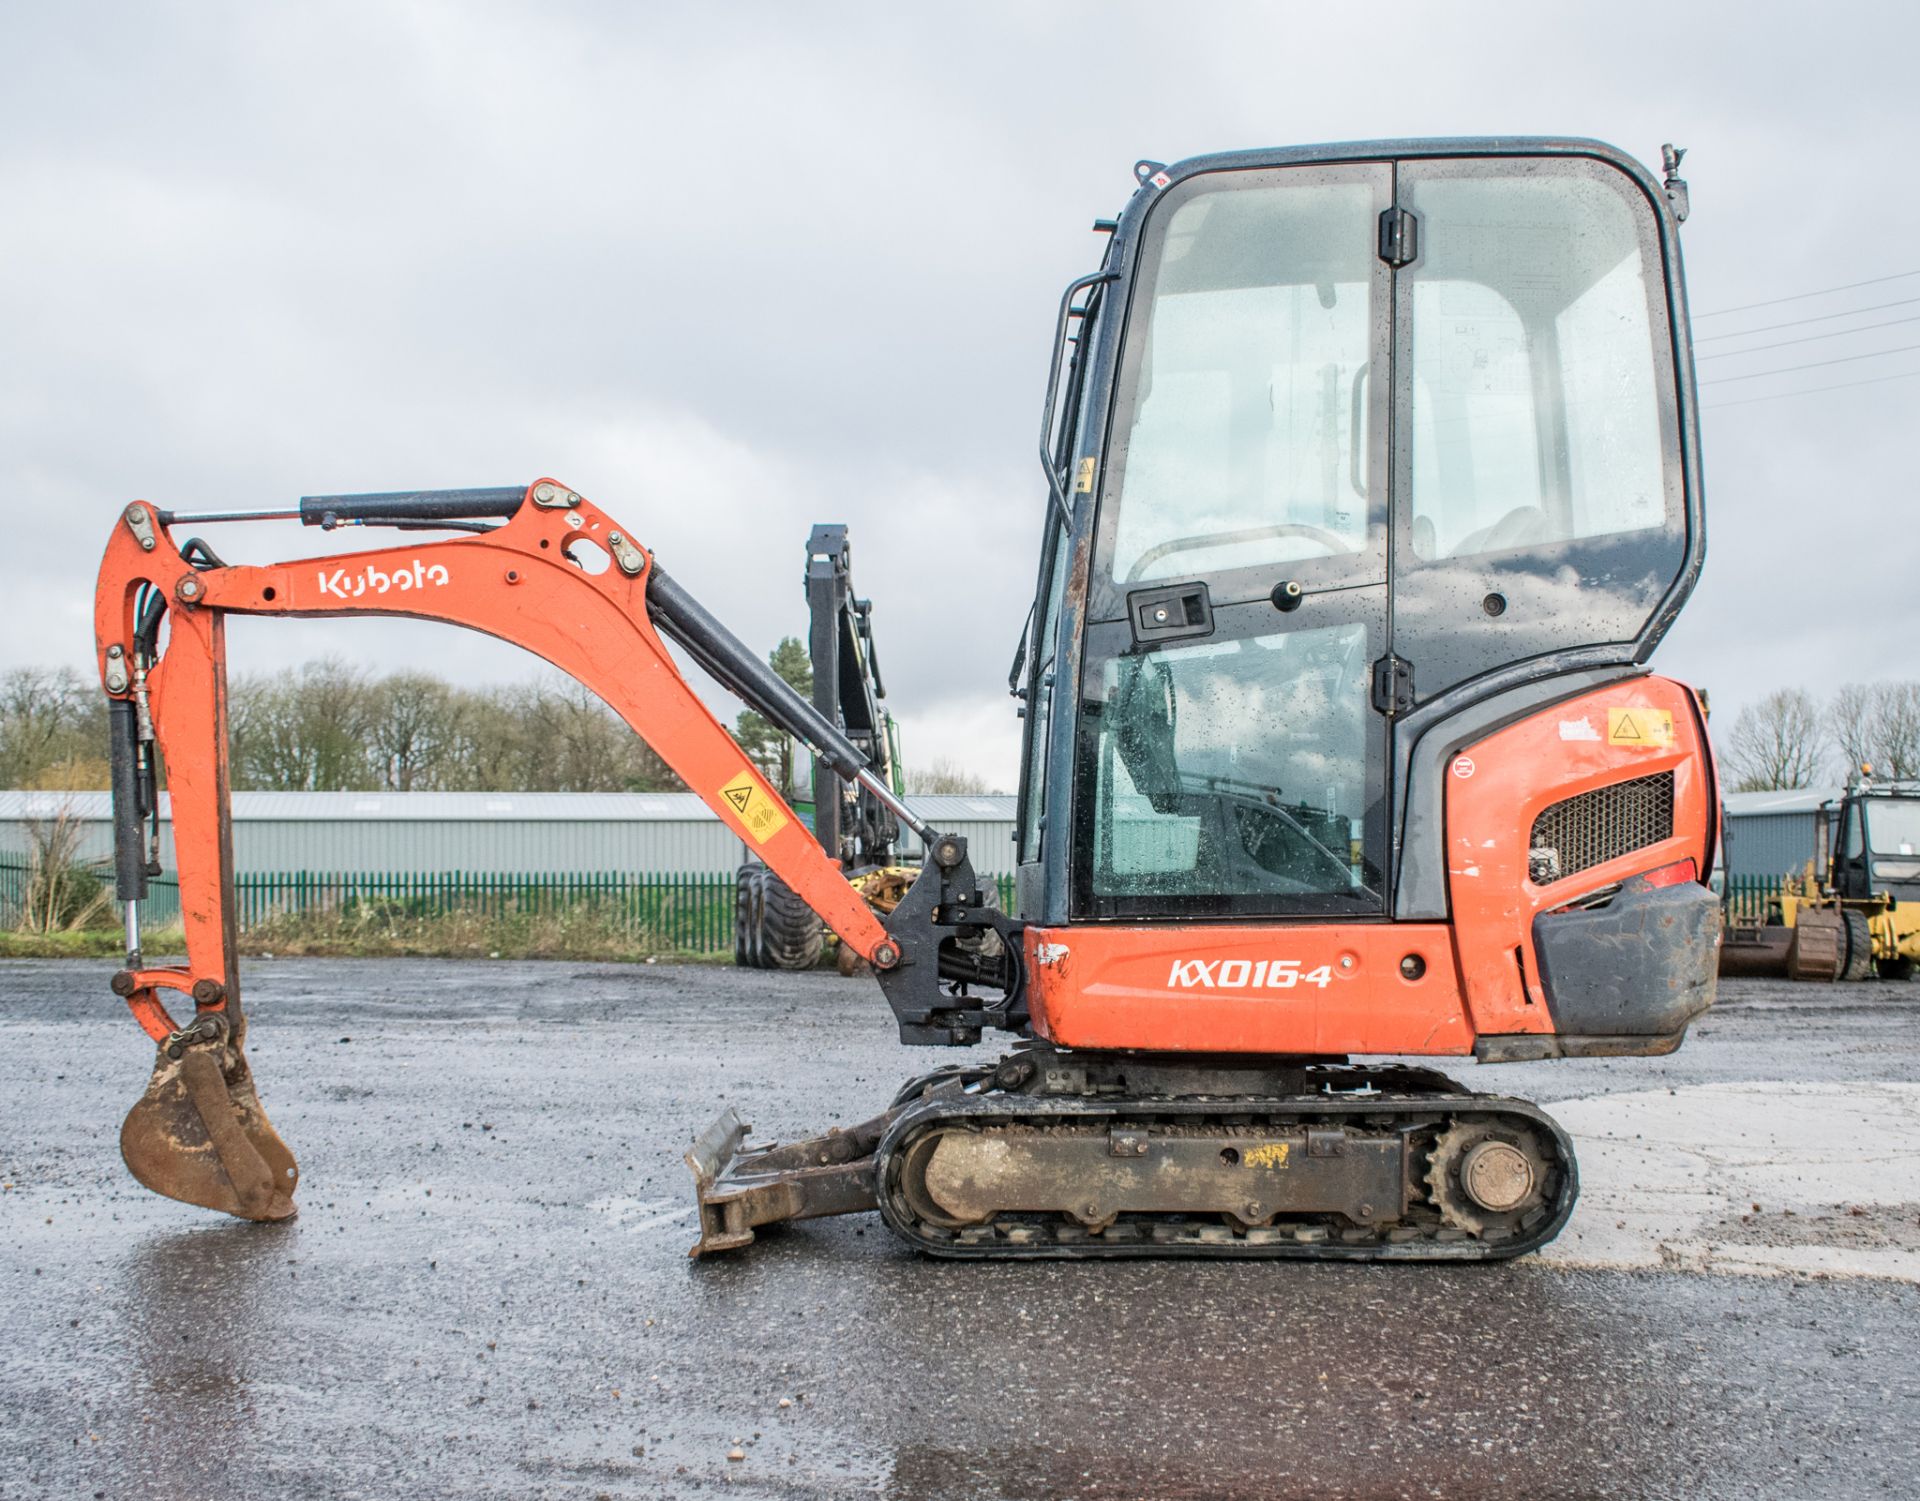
303 731
1850 725
944 776
486 748
53 730
412 720
572 742
1877 725
1775 743
326 726
1896 730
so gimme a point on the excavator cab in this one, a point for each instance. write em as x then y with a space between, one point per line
1373 481
1355 439
1358 455
1876 850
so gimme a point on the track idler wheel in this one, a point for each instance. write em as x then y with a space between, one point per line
199 1134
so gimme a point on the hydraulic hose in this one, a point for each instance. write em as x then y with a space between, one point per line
721 654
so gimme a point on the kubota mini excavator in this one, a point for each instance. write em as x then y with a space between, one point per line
1373 481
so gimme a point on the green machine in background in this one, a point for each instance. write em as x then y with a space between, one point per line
773 928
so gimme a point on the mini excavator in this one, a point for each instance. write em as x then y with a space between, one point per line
1373 480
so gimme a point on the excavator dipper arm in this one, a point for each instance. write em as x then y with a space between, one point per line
199 1134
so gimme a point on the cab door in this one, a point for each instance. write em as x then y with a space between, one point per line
1539 506
1230 752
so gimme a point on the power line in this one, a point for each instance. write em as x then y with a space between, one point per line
1871 281
1767 328
1845 385
1838 333
1844 359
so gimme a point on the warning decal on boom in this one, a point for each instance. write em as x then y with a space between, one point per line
757 811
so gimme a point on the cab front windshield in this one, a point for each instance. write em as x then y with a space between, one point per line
1893 827
1248 416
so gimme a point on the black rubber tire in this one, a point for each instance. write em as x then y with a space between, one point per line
987 944
740 917
791 933
1859 963
1895 969
749 926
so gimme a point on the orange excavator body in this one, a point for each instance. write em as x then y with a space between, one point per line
1386 777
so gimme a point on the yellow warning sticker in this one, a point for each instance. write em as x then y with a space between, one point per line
757 810
1083 482
1273 1154
1650 728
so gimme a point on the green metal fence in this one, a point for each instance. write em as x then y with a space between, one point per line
684 913
1745 898
13 889
672 913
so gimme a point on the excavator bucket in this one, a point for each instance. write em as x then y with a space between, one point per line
199 1135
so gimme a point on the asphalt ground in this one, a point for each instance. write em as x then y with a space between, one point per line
487 1294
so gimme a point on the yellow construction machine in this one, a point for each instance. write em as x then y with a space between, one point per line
1855 910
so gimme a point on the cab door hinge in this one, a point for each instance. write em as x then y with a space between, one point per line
1399 237
1392 685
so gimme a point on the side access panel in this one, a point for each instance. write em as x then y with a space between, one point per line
1557 809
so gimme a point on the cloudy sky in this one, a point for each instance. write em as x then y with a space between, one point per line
732 269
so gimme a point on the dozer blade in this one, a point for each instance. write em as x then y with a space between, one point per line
1764 953
199 1135
831 1174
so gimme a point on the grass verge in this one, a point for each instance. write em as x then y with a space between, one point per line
454 935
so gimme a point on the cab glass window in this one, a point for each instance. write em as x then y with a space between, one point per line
1238 773
1535 407
1541 502
1894 825
1244 413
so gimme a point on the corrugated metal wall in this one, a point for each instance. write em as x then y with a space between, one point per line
1769 844
403 844
513 833
641 833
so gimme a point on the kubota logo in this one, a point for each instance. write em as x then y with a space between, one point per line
379 581
1245 974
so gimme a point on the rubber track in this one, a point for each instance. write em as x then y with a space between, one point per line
1060 1237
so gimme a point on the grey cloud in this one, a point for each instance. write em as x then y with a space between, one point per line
731 270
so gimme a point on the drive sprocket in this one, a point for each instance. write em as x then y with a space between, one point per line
1489 1178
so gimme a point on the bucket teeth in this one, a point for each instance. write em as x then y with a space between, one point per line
199 1135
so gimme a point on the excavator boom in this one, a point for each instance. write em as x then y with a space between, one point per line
521 574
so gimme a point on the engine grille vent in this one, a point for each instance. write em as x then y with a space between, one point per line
1601 825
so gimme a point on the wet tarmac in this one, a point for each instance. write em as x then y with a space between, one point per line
487 1294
